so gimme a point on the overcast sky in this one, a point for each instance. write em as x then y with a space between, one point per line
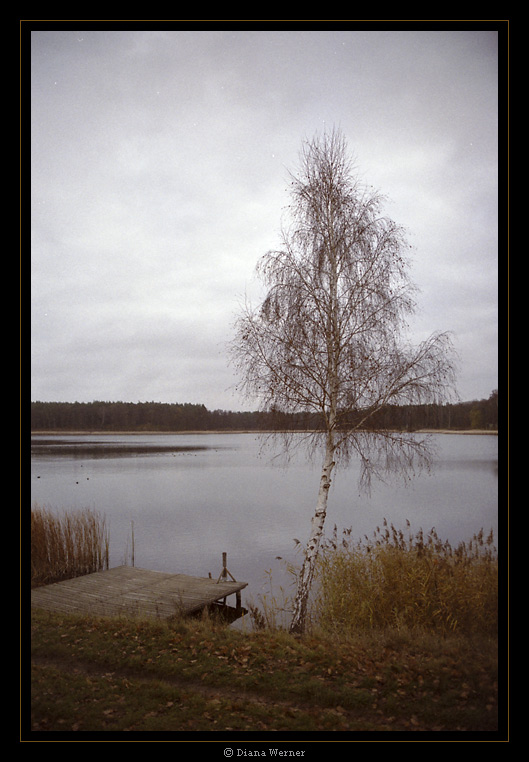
159 178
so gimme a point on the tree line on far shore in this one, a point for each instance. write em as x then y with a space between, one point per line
168 417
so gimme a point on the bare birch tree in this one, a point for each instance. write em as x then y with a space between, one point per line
329 336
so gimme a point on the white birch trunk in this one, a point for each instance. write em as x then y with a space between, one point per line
313 545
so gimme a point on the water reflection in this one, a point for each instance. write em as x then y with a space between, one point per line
97 448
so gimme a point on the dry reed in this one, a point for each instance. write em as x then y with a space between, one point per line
67 545
414 583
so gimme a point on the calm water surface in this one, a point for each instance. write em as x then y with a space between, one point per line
191 497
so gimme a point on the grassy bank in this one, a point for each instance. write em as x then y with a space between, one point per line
99 675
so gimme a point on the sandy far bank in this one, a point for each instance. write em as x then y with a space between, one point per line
96 432
455 431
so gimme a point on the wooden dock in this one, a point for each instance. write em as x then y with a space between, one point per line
129 591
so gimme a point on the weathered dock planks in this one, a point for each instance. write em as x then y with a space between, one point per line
130 591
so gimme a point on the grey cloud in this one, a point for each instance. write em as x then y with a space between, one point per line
159 177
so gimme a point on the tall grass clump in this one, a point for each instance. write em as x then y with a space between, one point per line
417 583
67 545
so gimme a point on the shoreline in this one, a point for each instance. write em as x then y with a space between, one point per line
97 432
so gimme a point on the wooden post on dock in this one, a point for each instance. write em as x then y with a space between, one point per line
225 571
224 577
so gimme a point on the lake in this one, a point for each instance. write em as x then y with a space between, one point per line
191 497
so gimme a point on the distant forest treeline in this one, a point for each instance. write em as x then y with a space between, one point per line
161 416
